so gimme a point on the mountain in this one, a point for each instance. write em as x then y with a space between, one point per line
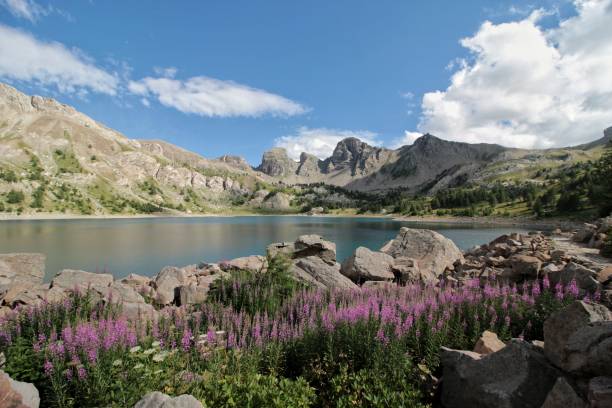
68 162
426 166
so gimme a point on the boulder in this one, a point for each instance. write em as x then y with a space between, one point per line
377 284
516 376
69 279
17 394
193 294
157 399
585 233
586 279
604 276
578 339
280 248
563 395
524 266
22 268
432 251
309 245
366 265
168 281
488 343
600 392
253 263
313 270
406 270
277 201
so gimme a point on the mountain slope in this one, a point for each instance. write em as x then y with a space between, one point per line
75 164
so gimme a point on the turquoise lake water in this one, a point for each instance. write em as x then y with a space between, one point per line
145 245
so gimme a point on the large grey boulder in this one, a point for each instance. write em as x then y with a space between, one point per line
253 263
69 279
518 376
133 304
600 392
563 395
524 266
488 343
313 270
193 294
309 245
433 252
157 399
22 268
406 270
169 280
578 339
366 265
17 394
586 279
278 201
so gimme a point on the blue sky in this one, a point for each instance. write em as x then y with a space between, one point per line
240 77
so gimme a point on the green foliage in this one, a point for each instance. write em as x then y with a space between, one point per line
8 175
14 197
66 162
36 170
38 197
150 187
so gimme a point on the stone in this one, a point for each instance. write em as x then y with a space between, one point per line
253 263
558 255
578 339
366 265
488 343
586 279
193 294
524 266
563 395
550 268
406 270
120 292
309 245
432 251
316 271
516 376
24 268
157 399
584 234
277 201
605 275
136 280
17 394
70 279
600 392
377 284
280 248
168 281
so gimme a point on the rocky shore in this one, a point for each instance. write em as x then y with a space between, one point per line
571 365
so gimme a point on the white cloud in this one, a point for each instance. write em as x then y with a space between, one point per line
526 86
407 139
169 72
25 58
320 142
145 102
213 97
31 10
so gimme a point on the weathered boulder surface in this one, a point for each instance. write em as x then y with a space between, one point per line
516 376
253 263
70 279
563 395
193 294
432 251
309 245
586 279
524 266
21 268
578 339
366 265
406 270
157 399
316 271
17 394
600 392
488 343
168 281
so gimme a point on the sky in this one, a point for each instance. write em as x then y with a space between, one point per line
240 77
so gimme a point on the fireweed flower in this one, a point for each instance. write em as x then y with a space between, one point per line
48 368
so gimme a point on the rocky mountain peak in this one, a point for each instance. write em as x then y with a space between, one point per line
276 162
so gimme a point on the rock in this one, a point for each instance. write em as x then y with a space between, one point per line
69 279
134 311
516 376
169 279
316 211
586 279
365 265
563 395
524 266
406 270
488 343
193 294
558 255
377 284
432 251
136 280
22 268
309 245
157 399
314 270
605 275
17 394
280 248
277 201
585 233
600 392
549 269
123 293
578 339
253 263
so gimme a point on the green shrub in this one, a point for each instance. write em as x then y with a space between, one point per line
14 197
8 176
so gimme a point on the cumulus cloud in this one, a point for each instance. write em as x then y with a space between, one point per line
206 96
31 10
168 72
320 142
25 58
527 86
